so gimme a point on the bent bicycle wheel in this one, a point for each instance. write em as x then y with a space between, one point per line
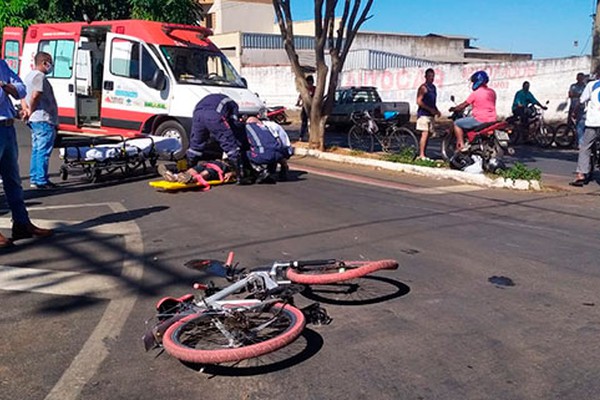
337 272
214 337
359 139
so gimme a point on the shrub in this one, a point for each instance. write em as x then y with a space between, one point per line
520 171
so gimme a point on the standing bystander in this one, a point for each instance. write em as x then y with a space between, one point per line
304 114
42 111
591 135
11 84
427 111
576 108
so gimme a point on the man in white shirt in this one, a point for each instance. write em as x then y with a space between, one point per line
591 134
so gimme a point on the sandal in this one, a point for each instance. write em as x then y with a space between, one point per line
580 182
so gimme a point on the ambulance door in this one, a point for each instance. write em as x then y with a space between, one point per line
134 86
62 78
12 47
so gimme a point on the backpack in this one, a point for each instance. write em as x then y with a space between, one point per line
265 148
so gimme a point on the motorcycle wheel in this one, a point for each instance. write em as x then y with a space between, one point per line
515 136
564 136
448 146
544 136
280 118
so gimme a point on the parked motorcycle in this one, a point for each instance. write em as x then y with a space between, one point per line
277 114
488 141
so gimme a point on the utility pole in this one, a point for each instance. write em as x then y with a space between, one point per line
596 38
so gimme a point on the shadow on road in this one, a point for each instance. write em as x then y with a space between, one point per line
306 346
358 292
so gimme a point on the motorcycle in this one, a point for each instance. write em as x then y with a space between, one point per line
488 141
277 114
536 131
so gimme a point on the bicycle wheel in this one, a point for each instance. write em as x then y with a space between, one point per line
358 139
544 136
448 146
214 337
402 140
337 272
564 135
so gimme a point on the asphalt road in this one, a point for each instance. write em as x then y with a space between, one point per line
496 296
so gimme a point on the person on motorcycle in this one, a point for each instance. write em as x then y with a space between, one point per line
483 102
591 135
520 108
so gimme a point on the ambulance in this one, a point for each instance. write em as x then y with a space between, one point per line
128 77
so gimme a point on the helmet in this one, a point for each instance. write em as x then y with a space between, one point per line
479 78
494 165
460 160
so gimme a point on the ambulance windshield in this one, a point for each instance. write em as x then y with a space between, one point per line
194 65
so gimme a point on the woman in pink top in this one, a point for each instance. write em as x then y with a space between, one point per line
483 102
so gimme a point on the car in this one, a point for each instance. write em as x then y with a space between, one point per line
364 98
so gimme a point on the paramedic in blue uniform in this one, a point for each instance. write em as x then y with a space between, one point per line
11 84
216 117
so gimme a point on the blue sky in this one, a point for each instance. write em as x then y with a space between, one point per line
545 28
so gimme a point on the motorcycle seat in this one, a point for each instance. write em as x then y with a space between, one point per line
483 126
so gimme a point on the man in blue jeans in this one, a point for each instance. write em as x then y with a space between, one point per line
22 228
42 111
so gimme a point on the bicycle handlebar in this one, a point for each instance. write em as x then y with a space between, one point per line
308 263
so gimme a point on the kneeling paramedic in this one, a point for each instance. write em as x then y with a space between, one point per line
216 117
269 146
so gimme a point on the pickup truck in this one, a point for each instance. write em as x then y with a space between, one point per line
361 98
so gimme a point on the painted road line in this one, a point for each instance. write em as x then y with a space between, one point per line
122 299
95 350
392 185
57 282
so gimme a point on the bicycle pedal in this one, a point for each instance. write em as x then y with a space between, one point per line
316 315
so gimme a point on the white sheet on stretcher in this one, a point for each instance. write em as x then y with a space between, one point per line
164 147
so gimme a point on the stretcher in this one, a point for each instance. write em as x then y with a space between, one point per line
95 157
166 186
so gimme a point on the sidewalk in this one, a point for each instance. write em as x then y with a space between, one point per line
549 181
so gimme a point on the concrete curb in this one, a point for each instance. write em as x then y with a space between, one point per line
437 173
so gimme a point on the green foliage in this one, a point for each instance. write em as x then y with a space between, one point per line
520 171
26 12
406 156
17 13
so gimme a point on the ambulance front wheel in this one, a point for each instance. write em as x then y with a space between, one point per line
175 130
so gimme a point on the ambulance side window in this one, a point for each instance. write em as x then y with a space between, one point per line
131 60
124 60
62 52
11 54
149 67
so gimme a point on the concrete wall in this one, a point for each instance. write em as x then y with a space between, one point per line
274 85
243 15
428 47
550 80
